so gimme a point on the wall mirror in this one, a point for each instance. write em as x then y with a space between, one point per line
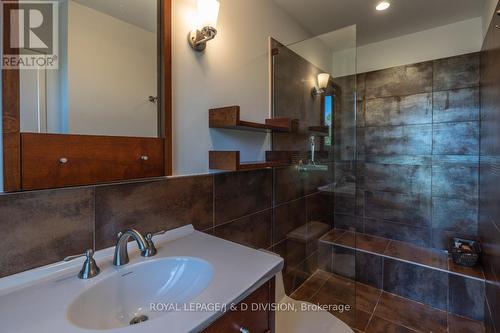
102 113
107 79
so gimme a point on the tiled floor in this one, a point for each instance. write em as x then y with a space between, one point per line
375 311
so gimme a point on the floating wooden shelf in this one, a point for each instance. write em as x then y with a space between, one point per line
294 157
229 118
230 161
319 130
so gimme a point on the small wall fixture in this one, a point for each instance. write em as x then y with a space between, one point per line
323 80
208 13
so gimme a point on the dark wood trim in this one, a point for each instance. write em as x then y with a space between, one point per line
230 161
167 85
10 117
229 118
89 159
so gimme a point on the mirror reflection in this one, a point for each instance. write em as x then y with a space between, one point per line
107 80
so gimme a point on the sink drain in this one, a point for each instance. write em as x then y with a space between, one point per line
138 320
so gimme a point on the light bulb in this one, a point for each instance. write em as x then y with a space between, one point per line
383 5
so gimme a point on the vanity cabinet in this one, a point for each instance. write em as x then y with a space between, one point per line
249 320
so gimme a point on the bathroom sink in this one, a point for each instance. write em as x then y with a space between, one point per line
132 295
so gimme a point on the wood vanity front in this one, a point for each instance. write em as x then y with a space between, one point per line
245 319
55 160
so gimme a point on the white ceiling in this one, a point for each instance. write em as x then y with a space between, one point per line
403 17
141 13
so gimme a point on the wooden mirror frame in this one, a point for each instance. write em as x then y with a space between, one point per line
12 145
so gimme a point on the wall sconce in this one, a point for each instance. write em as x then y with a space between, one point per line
208 13
323 80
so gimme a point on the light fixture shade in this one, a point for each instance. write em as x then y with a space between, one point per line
208 13
323 80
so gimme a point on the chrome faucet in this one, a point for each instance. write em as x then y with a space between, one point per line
121 253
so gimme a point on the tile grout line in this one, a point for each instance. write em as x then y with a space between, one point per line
374 309
422 124
316 292
431 228
467 87
242 217
410 300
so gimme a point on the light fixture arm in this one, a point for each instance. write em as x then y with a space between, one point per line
318 91
198 38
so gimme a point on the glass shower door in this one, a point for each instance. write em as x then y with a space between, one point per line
314 83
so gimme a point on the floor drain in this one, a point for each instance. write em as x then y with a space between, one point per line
138 320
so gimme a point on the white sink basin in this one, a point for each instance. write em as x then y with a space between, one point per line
191 267
128 294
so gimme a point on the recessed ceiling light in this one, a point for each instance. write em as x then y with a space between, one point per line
383 5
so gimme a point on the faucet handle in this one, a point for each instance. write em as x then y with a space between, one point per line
90 268
151 250
88 253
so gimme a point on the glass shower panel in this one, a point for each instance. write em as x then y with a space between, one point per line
314 84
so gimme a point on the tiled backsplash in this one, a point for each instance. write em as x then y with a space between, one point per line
45 226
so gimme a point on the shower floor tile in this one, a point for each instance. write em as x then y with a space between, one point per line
379 325
411 314
375 311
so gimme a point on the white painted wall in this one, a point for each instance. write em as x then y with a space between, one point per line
112 69
234 70
344 62
488 12
441 42
334 52
315 51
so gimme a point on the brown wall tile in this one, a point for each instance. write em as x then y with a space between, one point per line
398 140
153 206
254 230
396 111
289 184
399 81
456 72
414 210
320 208
288 217
44 227
242 193
456 138
456 105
